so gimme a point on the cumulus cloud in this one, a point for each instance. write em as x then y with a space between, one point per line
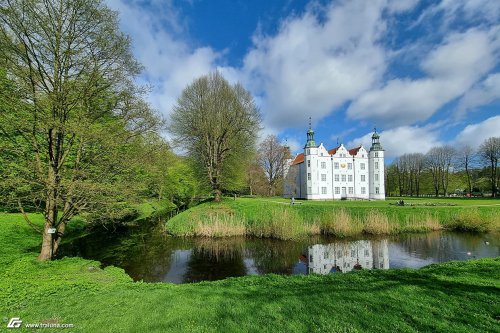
450 70
483 93
317 61
170 62
475 134
402 140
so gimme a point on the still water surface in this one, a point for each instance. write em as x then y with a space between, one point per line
148 254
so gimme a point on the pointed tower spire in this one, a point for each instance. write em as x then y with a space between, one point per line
310 136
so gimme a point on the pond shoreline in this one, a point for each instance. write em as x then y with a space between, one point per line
269 218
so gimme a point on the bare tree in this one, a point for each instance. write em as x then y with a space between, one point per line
217 123
439 161
272 158
490 153
465 159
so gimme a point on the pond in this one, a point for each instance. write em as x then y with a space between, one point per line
147 254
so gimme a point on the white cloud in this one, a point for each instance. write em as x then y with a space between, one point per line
483 93
317 61
402 140
170 62
475 134
451 69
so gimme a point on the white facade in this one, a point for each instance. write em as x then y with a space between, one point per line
339 173
344 257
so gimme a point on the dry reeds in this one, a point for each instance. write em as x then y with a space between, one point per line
340 223
377 223
220 224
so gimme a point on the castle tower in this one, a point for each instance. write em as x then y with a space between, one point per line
311 164
376 168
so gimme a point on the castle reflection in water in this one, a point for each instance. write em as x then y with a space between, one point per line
344 257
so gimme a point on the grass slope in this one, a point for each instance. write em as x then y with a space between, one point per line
276 218
452 297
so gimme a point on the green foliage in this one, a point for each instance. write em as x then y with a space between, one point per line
452 297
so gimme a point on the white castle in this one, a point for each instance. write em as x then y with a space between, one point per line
339 173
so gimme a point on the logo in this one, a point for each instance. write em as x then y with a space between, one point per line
14 323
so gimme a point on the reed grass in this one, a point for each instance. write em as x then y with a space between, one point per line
270 219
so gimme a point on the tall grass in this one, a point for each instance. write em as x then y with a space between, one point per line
245 217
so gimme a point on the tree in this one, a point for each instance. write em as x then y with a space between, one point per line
79 113
490 153
465 158
273 157
439 161
217 124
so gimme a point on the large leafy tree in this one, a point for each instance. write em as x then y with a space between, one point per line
77 116
217 123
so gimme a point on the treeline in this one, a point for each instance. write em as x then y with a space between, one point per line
446 170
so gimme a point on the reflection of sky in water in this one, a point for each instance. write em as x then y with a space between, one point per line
178 267
250 266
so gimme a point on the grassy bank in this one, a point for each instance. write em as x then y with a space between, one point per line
452 297
276 218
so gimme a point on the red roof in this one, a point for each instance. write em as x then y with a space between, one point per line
354 151
298 159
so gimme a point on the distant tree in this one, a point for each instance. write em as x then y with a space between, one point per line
465 159
439 161
256 179
490 153
217 124
409 169
79 112
273 157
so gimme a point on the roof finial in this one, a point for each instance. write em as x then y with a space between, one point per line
310 123
337 141
375 129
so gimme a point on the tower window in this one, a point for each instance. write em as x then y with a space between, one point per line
376 177
376 165
362 178
362 166
308 163
376 190
308 176
376 154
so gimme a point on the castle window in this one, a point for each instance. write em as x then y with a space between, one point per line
349 178
337 190
367 253
343 178
337 178
376 165
309 190
363 190
308 176
349 165
308 163
323 190
336 165
362 178
362 166
323 165
376 177
308 151
376 190
323 177
376 154
351 190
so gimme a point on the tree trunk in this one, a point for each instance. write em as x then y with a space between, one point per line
217 195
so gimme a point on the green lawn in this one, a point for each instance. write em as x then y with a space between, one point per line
275 217
452 297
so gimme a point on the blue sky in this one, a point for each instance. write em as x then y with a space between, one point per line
425 73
